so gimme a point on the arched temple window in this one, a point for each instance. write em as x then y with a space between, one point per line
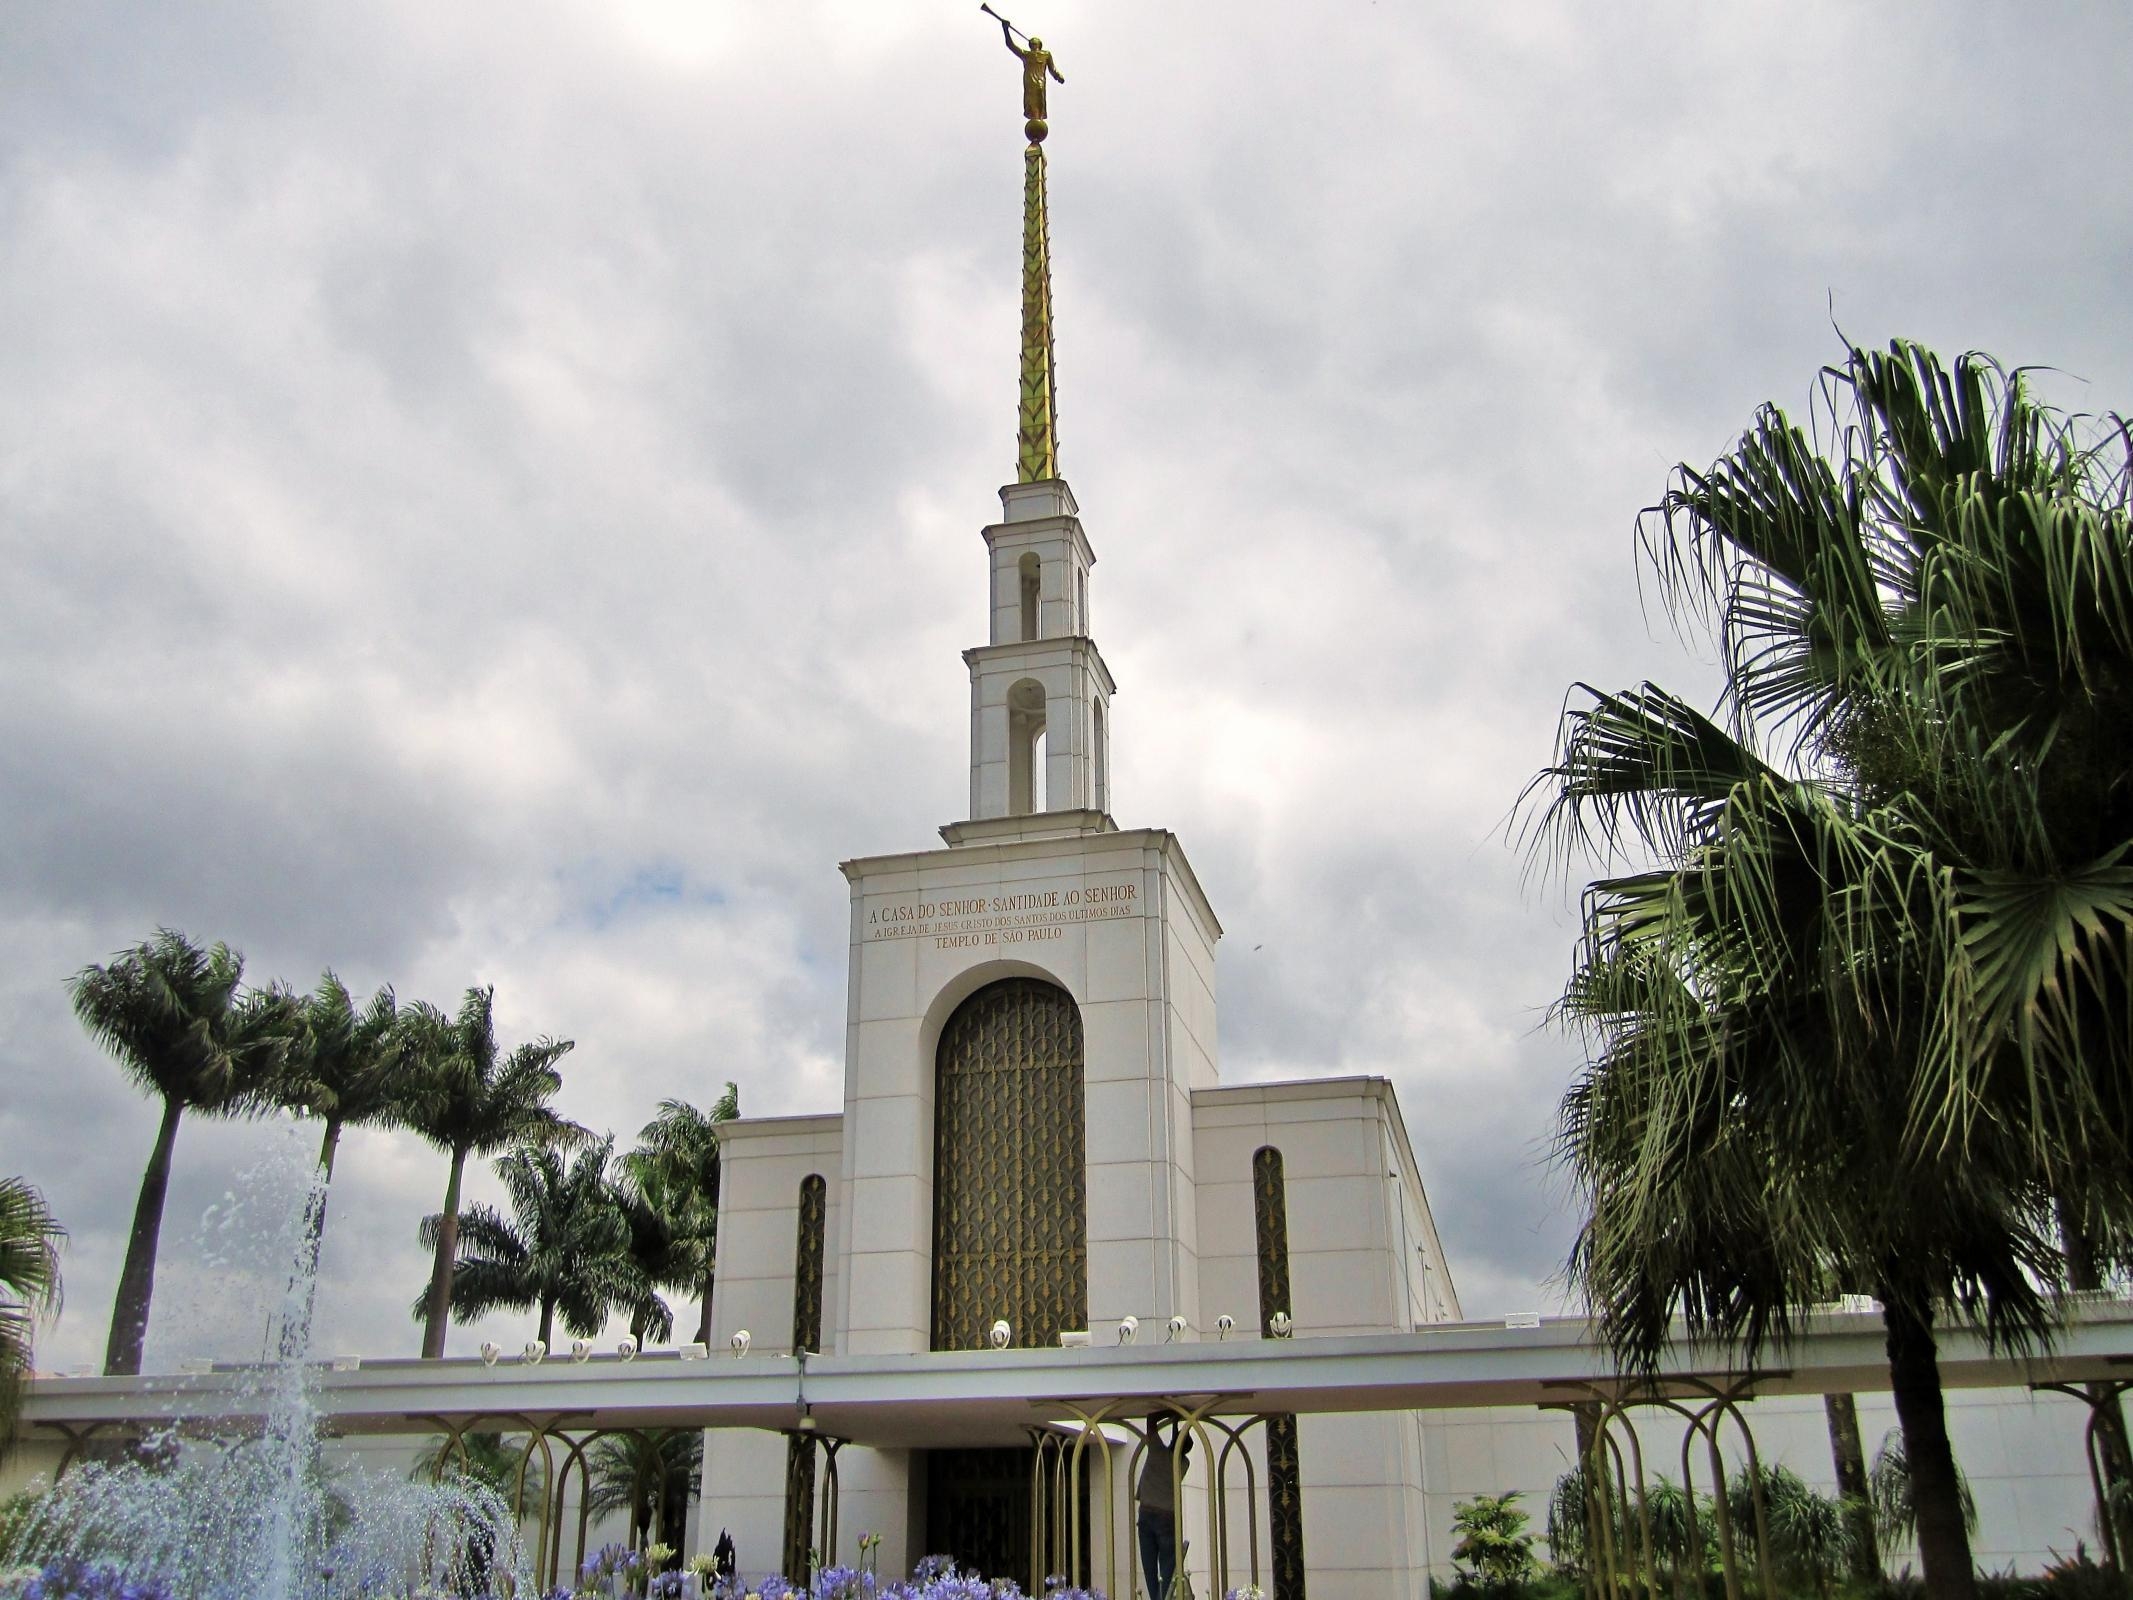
1010 1202
1032 593
1100 757
1025 745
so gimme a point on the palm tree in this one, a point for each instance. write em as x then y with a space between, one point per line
350 1066
493 1460
653 1475
661 1254
468 1099
29 1288
680 1146
1856 1029
184 1027
565 1247
1893 1507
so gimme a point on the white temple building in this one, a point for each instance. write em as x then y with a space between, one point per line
1034 1133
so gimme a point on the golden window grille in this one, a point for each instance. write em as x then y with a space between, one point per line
1010 1206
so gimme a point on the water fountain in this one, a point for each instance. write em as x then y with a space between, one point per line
217 1510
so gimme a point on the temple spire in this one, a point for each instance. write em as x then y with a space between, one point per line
1037 433
1037 408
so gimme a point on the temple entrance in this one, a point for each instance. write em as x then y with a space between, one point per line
1010 1207
977 1510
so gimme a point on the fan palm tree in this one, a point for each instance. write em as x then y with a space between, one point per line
468 1098
29 1288
564 1248
1856 1030
677 1153
186 1029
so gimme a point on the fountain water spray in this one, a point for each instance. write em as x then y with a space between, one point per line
237 1501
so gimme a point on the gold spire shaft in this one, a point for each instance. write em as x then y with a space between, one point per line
1037 440
1037 411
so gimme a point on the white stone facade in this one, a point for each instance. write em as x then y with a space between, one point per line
1041 883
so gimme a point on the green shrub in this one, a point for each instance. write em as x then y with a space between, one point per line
1494 1549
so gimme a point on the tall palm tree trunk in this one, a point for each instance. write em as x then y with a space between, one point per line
1936 1490
137 1279
302 1298
439 1315
1850 1458
547 1333
703 1320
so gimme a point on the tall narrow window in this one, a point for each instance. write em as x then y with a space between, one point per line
806 1335
1101 763
1284 1472
1025 747
1032 593
1010 1202
1081 602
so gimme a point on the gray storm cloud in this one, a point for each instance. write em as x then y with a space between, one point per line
491 495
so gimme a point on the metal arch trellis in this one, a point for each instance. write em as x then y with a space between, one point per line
2096 1395
1235 1441
832 1497
554 1499
1064 1499
1611 1481
1068 1530
650 1465
537 1434
78 1440
1060 1514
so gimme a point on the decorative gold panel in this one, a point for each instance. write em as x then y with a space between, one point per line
806 1335
1284 1472
799 1505
1010 1209
807 1269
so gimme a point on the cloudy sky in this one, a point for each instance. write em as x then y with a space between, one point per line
491 495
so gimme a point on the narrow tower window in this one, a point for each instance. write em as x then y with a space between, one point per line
1025 746
1030 594
1101 761
1081 603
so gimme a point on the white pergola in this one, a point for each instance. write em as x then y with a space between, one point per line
992 1397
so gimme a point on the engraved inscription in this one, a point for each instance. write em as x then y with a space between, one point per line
1032 916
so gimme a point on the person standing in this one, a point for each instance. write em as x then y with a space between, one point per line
1163 1467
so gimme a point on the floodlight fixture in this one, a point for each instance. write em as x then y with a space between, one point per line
1002 1331
1174 1330
739 1342
1281 1325
1127 1328
1225 1325
627 1349
491 1352
581 1349
535 1352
